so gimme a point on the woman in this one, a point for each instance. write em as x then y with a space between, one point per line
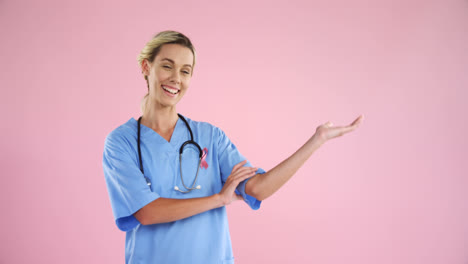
171 203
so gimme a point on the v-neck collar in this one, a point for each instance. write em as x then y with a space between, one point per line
149 132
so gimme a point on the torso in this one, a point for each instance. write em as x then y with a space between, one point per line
167 135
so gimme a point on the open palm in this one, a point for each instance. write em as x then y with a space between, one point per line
328 131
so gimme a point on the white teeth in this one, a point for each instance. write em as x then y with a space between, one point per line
172 91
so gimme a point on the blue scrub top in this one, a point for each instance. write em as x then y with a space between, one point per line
202 238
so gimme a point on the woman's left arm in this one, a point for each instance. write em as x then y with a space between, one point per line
261 186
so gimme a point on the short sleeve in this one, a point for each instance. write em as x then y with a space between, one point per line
228 156
126 185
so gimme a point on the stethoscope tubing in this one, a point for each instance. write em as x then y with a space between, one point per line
191 141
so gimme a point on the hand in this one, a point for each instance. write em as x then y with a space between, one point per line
327 131
238 174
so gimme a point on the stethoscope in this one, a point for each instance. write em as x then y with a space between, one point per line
148 182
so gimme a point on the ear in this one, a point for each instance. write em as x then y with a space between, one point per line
145 67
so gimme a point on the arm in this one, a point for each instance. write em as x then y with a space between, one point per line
261 186
163 210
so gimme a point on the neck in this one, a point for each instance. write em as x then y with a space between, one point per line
160 119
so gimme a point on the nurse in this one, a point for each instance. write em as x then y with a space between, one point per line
181 216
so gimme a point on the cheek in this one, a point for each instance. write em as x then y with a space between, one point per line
161 76
187 82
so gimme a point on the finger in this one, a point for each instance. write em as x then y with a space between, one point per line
358 121
353 125
230 186
328 124
240 176
245 169
238 165
242 171
243 176
349 128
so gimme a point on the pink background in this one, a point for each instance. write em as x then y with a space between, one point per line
393 191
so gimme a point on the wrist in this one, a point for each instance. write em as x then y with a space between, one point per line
317 140
218 200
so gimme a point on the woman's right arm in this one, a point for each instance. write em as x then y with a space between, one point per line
163 210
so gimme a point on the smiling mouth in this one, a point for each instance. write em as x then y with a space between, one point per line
169 90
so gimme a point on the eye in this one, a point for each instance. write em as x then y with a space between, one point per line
166 66
186 72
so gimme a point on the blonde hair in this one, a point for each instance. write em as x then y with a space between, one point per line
152 49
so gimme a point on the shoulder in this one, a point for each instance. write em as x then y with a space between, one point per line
204 127
122 135
208 131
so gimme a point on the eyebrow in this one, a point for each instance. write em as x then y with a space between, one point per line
174 62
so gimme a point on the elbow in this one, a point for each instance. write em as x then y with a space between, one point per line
252 188
145 215
260 196
147 220
152 213
140 216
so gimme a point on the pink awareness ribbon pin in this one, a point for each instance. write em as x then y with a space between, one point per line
203 163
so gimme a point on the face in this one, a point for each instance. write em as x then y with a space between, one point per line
169 75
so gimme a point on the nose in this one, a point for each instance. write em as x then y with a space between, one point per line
175 77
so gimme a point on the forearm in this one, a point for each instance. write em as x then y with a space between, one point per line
261 186
163 210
